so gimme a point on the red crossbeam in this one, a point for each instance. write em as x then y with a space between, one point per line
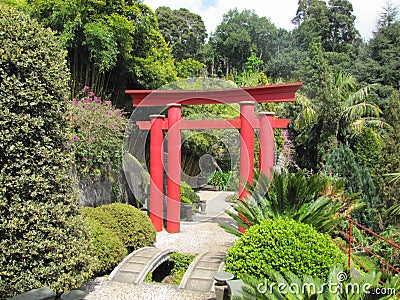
269 93
214 124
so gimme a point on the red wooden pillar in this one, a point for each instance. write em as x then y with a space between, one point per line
266 142
174 168
246 160
246 168
156 171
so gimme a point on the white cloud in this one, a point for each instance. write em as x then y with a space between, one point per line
279 12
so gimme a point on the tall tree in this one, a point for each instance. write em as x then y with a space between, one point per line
338 110
384 48
357 179
183 30
240 35
332 21
111 44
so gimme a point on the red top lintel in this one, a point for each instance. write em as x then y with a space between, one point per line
268 93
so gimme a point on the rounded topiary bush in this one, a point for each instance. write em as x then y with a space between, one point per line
132 226
42 240
283 245
107 246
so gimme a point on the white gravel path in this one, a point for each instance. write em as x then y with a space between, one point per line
194 238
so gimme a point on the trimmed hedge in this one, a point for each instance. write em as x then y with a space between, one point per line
127 222
42 240
107 246
283 245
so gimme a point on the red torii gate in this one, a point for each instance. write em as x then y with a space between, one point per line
246 123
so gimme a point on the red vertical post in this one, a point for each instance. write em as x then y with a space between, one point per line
174 168
156 171
266 142
246 160
246 168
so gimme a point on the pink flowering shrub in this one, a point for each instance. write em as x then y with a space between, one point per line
97 135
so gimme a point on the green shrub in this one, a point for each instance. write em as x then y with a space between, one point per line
43 241
98 129
132 226
181 263
283 245
220 179
107 246
188 195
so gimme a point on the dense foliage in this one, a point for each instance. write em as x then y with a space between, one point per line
183 30
316 200
107 247
43 242
111 45
188 195
97 135
132 226
342 163
283 245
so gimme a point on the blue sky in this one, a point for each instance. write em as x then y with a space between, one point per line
280 12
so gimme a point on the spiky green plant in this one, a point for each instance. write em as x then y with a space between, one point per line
316 200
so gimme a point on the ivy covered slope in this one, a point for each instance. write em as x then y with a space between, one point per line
43 242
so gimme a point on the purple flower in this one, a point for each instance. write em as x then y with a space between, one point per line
85 159
85 88
91 94
75 103
75 138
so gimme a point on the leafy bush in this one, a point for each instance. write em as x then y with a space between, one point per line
43 242
220 179
180 263
97 135
188 195
283 245
128 223
107 246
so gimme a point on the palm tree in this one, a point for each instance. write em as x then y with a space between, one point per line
341 113
354 112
